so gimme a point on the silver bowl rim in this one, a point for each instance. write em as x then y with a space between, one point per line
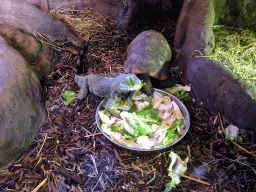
184 112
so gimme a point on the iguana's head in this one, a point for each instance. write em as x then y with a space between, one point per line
129 84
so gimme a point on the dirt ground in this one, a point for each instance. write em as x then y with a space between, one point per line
70 154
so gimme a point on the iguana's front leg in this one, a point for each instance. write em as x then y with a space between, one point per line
82 82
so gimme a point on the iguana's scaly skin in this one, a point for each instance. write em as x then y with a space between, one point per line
108 87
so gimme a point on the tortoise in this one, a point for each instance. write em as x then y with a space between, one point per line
149 54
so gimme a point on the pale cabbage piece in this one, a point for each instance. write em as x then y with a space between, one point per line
164 114
104 118
181 128
127 127
156 100
177 110
170 120
231 132
132 144
178 87
164 103
176 166
142 105
160 135
114 135
111 121
139 97
145 142
161 131
154 127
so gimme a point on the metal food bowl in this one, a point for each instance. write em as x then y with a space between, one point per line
184 112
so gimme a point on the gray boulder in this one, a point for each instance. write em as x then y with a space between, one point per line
41 57
238 13
211 82
23 60
22 110
194 35
224 92
27 17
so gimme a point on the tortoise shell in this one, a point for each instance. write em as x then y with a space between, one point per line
149 53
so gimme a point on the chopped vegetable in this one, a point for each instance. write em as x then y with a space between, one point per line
138 123
104 118
176 167
158 123
133 86
69 97
180 92
232 133
170 133
145 142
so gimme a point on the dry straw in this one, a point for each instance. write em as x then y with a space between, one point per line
236 48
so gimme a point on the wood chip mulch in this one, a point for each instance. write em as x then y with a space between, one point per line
70 154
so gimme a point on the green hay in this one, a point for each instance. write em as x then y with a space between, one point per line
236 48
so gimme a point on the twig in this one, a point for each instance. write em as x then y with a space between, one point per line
221 124
152 178
242 164
92 135
198 52
239 146
191 178
40 185
97 182
42 144
94 162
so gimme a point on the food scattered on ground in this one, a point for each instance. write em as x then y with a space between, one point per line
231 133
179 91
69 97
177 167
145 122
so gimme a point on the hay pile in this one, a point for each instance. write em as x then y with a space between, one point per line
236 49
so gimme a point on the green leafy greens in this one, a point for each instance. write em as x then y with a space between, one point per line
69 97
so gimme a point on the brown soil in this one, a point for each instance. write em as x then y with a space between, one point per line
70 154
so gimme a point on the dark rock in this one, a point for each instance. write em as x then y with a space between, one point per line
218 87
46 5
41 57
22 110
238 13
23 59
27 17
194 35
127 14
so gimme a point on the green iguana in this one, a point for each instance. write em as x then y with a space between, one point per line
108 87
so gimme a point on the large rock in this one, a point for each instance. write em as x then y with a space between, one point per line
41 57
224 92
238 13
22 110
27 17
23 60
194 35
211 82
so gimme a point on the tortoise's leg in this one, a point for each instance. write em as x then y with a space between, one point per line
147 88
169 82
